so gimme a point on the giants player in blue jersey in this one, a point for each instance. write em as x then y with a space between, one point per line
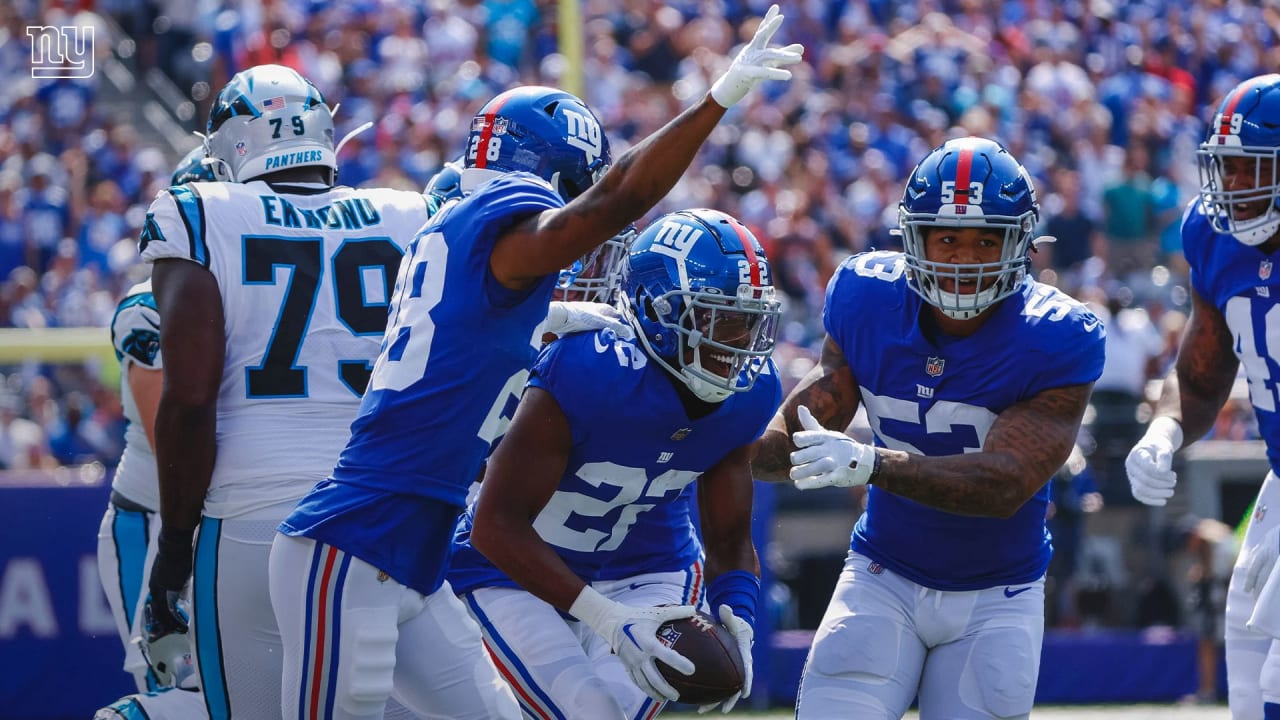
1231 239
585 502
974 378
358 569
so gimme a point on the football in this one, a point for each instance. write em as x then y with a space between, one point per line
718 669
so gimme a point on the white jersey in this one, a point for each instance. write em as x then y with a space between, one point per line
135 335
305 276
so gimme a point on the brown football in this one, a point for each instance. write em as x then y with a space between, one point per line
717 665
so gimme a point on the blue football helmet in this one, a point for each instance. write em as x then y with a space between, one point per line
192 168
269 118
596 276
698 289
968 183
543 131
1239 184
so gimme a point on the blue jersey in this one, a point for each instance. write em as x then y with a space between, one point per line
939 396
1243 283
622 507
456 345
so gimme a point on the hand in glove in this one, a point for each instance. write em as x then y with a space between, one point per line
1149 464
745 635
755 62
565 318
828 458
632 632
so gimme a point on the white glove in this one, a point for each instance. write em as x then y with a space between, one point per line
827 457
742 632
1259 561
1149 464
632 632
755 62
565 318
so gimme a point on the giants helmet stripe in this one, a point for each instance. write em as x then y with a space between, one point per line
1224 126
490 118
964 165
745 238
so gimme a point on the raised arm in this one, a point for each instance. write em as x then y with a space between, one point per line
830 392
552 240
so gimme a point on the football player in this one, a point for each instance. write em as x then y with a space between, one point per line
1230 236
974 378
273 292
126 538
361 561
585 504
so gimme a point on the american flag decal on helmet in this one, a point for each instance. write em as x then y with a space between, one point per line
273 103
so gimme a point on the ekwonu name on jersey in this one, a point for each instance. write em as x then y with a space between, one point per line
305 278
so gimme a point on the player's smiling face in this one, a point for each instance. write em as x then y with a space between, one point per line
963 246
1241 174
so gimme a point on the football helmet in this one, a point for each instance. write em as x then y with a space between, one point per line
269 118
698 290
192 168
446 184
543 131
968 183
595 277
1239 185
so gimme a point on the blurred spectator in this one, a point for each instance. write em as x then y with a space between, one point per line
1073 493
1076 235
22 441
1130 221
1212 547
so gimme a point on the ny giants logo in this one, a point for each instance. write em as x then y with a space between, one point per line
61 52
584 134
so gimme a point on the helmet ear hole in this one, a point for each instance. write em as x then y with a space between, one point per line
646 304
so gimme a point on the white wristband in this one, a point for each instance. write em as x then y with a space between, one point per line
1167 429
592 608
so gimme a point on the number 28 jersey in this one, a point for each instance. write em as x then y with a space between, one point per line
1243 283
305 277
939 396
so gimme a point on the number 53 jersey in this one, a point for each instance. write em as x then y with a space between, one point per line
305 278
1243 283
940 395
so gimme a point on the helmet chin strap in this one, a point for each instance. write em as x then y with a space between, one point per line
1261 232
704 390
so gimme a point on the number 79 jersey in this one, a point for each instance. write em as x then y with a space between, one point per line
1243 283
305 279
940 395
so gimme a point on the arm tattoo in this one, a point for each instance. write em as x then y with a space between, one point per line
1027 444
1206 367
831 394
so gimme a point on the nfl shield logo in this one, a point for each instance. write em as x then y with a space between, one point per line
240 148
875 568
1264 269
933 366
500 126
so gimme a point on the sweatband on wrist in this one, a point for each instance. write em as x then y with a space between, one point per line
1167 428
590 606
738 589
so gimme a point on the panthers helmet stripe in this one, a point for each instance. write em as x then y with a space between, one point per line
490 118
745 239
964 166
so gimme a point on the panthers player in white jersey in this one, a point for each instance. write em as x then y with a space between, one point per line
361 562
583 497
273 291
974 378
126 538
1231 239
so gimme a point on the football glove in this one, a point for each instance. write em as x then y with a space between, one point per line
745 635
632 633
1150 462
755 62
828 458
565 318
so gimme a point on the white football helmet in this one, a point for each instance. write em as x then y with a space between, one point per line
269 118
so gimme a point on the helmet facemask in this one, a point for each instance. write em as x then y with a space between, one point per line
1250 214
994 281
596 276
719 345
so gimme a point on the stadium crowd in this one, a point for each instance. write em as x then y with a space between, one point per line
1104 101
